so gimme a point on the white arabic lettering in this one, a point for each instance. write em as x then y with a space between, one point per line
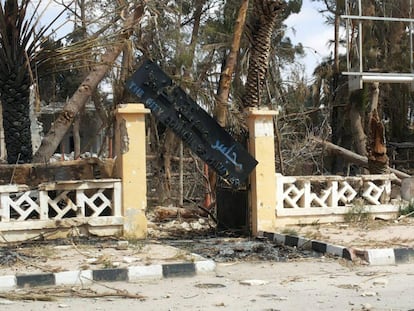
228 153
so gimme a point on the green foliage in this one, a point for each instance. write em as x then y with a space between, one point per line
293 6
407 210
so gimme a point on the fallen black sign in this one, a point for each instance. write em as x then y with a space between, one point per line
203 135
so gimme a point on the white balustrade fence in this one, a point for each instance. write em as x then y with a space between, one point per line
63 204
96 204
333 195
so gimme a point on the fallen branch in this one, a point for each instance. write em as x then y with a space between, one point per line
52 294
405 216
164 213
27 296
31 263
119 293
78 100
208 211
354 157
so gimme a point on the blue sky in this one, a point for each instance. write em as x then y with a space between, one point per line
308 27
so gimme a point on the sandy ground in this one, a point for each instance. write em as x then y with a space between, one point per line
44 257
299 284
312 284
372 234
48 256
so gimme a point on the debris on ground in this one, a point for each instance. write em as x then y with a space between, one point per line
200 236
53 294
179 239
9 257
223 249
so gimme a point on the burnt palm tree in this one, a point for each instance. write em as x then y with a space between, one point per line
20 39
261 26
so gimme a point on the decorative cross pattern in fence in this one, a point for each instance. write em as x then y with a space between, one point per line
59 200
308 195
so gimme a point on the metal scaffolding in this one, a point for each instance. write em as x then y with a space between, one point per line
356 74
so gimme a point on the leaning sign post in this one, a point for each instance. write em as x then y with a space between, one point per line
203 135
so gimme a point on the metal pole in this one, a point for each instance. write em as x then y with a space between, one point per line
411 37
360 35
348 46
181 168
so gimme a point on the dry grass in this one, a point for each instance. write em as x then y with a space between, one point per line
290 231
314 235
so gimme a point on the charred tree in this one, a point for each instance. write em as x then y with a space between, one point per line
261 27
377 150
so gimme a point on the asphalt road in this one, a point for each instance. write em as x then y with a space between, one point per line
305 284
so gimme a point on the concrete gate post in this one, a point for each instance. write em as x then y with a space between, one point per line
130 141
263 178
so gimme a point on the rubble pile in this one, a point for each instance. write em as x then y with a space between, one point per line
223 249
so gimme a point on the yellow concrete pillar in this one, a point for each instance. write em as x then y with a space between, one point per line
263 178
131 167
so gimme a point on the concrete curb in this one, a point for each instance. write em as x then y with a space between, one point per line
129 274
386 256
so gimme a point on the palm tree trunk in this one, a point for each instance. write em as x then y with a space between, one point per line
16 118
357 129
377 149
15 80
262 24
79 99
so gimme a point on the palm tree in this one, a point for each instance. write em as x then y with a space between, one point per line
19 48
263 21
